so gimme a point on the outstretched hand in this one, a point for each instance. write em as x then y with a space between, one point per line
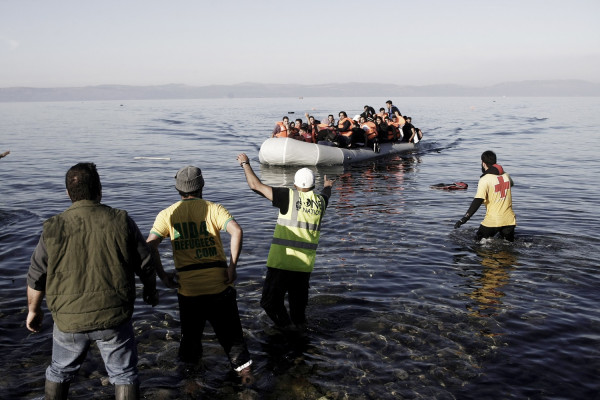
460 222
327 182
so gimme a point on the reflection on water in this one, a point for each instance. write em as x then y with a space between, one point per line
487 284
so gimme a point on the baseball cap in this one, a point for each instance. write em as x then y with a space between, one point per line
304 178
189 179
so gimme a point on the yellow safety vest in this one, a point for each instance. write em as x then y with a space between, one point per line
296 237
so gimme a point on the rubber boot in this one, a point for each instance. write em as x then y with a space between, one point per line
127 392
56 390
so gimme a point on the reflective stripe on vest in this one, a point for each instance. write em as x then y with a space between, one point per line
296 236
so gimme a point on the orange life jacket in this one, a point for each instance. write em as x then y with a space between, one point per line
371 129
393 133
341 125
283 131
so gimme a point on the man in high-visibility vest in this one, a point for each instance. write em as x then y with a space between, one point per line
293 249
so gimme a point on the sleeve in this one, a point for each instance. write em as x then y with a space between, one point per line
222 217
281 199
161 226
36 276
326 193
481 189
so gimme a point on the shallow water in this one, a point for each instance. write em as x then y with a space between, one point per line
401 304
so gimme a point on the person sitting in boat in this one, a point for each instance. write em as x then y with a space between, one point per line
382 113
418 133
391 109
369 112
313 125
281 128
370 129
305 134
345 130
385 133
408 130
397 123
327 132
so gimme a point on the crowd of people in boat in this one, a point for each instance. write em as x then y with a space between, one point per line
367 129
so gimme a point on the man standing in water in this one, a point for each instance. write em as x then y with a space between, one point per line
493 190
85 263
293 249
205 279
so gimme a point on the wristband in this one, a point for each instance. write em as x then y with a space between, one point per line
244 162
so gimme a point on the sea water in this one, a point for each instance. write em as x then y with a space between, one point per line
402 306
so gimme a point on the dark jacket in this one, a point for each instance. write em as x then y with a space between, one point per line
93 254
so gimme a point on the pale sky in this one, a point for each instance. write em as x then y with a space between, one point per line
54 43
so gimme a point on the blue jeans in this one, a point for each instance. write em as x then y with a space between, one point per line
117 347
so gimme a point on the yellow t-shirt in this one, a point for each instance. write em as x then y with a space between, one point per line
194 227
495 190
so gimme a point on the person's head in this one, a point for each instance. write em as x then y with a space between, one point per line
365 108
83 182
298 123
381 110
311 119
488 157
343 114
189 181
362 119
330 117
388 104
286 120
304 180
378 120
407 119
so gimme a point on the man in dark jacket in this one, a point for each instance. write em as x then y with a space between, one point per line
85 263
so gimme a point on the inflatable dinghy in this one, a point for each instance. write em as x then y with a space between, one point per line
287 151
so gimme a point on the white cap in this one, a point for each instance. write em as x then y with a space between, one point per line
304 178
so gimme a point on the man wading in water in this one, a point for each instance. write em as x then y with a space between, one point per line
293 249
493 190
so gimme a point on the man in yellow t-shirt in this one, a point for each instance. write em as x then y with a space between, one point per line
203 278
493 190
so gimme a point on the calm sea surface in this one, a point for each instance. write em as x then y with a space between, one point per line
402 306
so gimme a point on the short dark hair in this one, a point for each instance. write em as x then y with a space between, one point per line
83 182
388 102
197 193
488 157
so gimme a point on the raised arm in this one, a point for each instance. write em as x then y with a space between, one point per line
253 182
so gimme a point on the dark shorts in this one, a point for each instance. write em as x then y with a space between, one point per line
506 232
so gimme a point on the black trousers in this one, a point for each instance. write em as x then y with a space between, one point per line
279 282
222 312
506 232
